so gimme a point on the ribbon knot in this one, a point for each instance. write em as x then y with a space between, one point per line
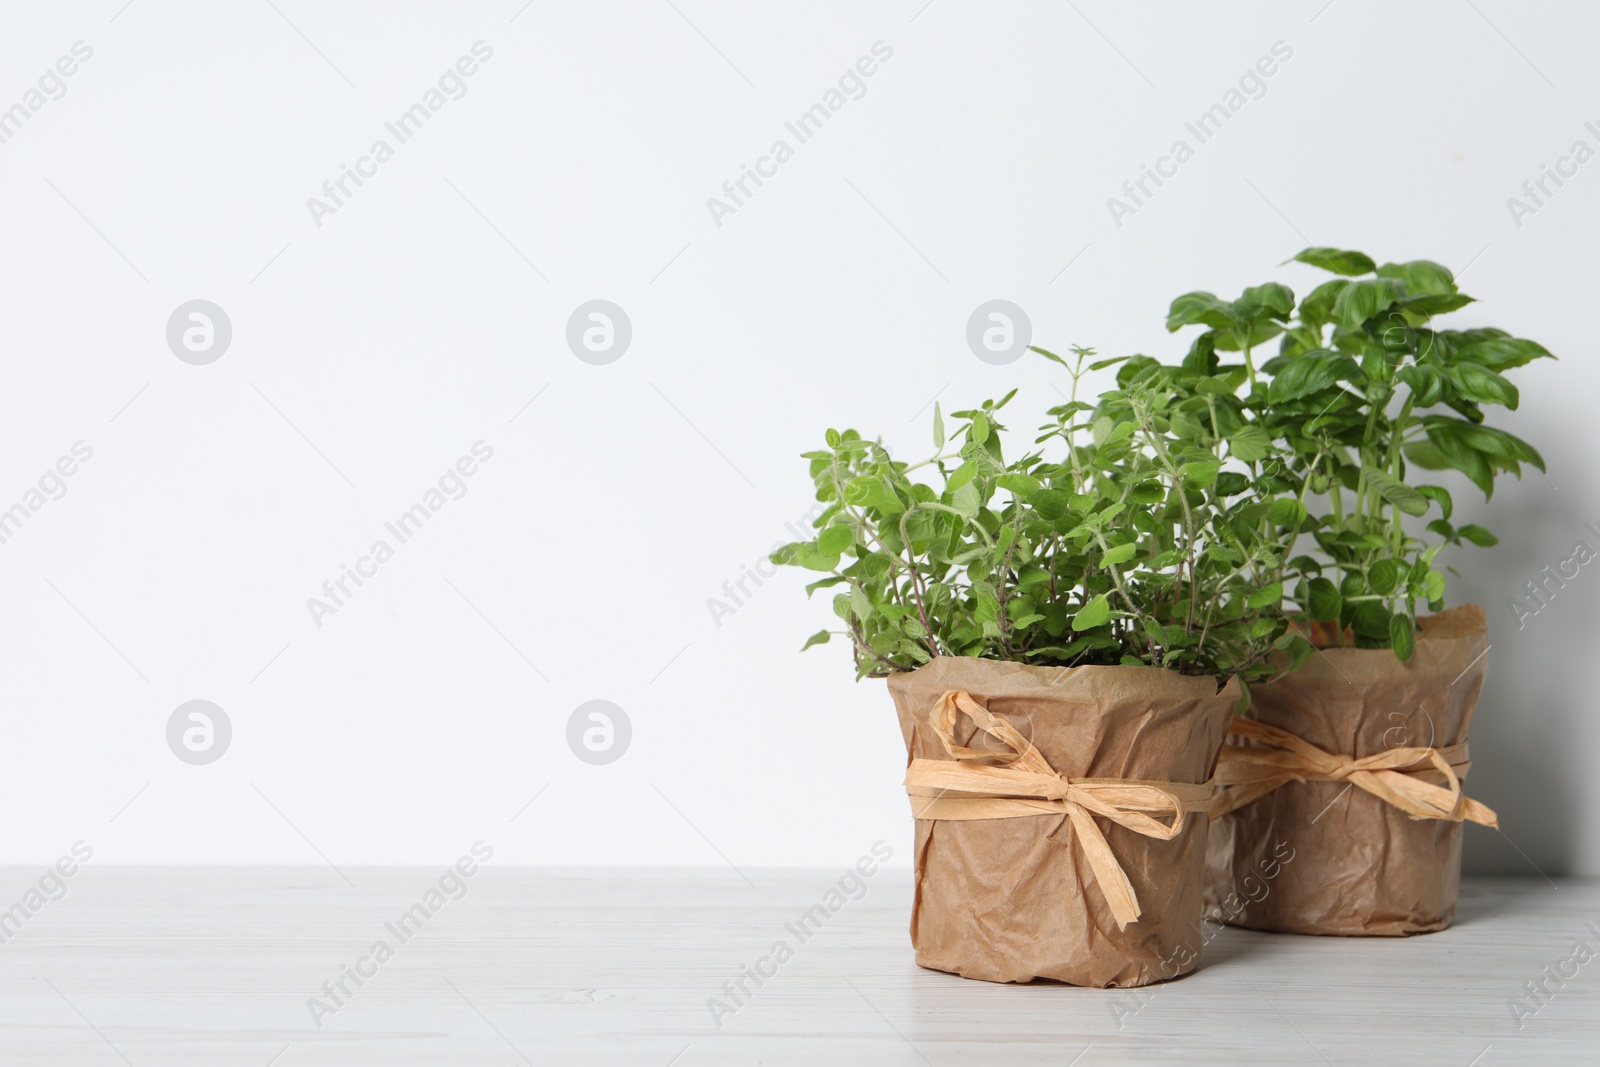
977 784
1398 776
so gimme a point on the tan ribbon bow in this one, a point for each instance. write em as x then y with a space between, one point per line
1026 785
1395 775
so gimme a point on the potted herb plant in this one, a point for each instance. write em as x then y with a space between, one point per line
1354 761
1062 634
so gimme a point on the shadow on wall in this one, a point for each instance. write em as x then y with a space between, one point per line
1527 735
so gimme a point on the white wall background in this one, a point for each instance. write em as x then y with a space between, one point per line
369 353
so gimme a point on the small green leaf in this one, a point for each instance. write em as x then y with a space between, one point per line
818 638
1286 511
1095 613
1119 554
1426 454
1272 298
1371 620
938 427
1269 596
1311 372
966 500
1364 300
1325 602
1439 496
1250 444
963 474
835 540
1384 576
1051 504
1422 277
1402 637
1395 491
1481 385
1478 535
1200 474
1338 261
979 433
1202 308
1023 485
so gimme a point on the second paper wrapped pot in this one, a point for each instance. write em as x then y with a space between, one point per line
1327 857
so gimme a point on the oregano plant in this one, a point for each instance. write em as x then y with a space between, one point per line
1117 538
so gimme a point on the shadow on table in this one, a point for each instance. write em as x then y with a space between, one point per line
1484 898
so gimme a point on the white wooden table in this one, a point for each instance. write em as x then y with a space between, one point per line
214 966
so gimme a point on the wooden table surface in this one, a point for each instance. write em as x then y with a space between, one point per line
217 966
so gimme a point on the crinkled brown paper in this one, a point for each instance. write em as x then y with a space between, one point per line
1360 866
1011 900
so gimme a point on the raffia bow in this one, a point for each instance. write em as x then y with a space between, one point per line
1397 775
1026 785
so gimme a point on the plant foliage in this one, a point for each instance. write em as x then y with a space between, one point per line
1117 539
1365 395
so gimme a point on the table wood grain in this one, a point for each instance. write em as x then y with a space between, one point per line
215 966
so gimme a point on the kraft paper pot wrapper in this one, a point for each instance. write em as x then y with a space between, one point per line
1014 899
1360 865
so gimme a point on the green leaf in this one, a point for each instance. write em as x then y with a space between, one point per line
1148 493
1250 444
1395 491
1337 261
866 491
1364 300
1502 353
1316 309
818 638
1383 576
1051 504
979 433
1311 372
1202 308
1286 511
1324 600
1269 596
1371 620
835 540
1270 299
1426 454
938 427
1023 485
966 500
806 555
963 474
1402 636
1432 304
860 604
1482 385
1447 437
1096 612
1201 473
1421 277
1119 554
1478 535
1439 496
